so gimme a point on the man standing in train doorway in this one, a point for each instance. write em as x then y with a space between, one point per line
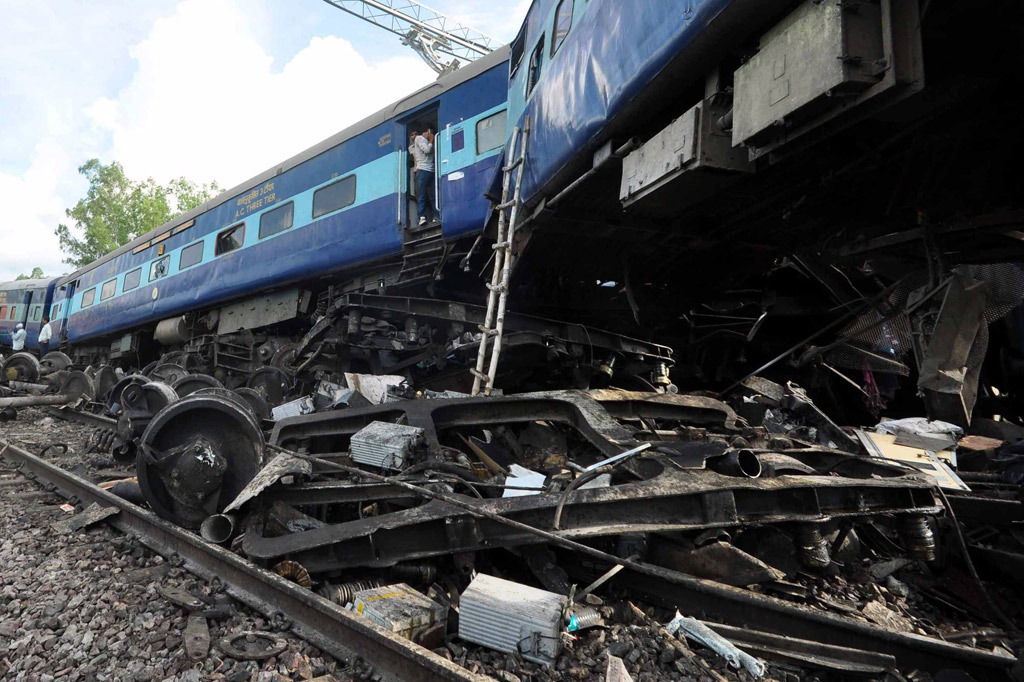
423 155
45 334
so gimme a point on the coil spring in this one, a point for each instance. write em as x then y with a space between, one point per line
101 439
583 617
344 593
918 537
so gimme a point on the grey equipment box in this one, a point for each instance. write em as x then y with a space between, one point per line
824 49
385 445
687 161
508 616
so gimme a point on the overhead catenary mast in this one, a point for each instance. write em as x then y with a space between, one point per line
434 36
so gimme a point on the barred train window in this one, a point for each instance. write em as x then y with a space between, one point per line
132 279
490 132
563 22
190 255
230 239
108 289
334 197
159 268
89 297
277 220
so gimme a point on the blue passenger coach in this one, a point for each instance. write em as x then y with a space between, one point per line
26 301
587 71
341 204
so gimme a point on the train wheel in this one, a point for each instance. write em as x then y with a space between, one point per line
193 382
114 397
55 361
259 404
285 357
168 372
196 456
105 378
22 367
272 383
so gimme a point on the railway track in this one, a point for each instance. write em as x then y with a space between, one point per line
318 621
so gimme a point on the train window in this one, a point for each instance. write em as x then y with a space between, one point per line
277 220
159 268
230 239
490 132
53 312
132 279
108 289
89 297
563 22
190 255
3 312
37 314
14 312
458 140
536 61
333 197
518 49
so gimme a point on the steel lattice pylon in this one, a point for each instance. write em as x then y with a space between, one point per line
425 30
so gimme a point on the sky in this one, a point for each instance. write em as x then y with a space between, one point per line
212 90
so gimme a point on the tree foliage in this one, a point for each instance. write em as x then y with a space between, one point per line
37 273
117 209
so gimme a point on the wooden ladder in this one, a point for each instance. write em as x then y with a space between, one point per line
497 294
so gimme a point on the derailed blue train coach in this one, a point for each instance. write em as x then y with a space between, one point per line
339 209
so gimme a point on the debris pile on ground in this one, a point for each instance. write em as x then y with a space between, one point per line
583 535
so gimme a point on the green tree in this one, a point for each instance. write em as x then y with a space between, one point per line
37 273
117 209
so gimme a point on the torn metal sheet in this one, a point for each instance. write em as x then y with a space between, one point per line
374 387
521 478
94 513
282 465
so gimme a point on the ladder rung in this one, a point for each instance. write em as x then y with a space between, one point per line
480 375
488 331
507 204
501 245
499 288
512 166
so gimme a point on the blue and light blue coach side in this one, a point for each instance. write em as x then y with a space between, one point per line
26 301
336 208
587 71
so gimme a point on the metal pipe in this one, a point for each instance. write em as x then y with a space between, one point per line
28 387
218 528
737 463
36 400
622 151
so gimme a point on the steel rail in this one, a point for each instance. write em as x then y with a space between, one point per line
315 619
81 416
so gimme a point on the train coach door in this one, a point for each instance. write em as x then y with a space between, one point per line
422 121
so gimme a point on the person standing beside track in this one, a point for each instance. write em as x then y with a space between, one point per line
423 153
45 334
18 338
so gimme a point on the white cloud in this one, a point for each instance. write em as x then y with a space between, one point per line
32 210
207 103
